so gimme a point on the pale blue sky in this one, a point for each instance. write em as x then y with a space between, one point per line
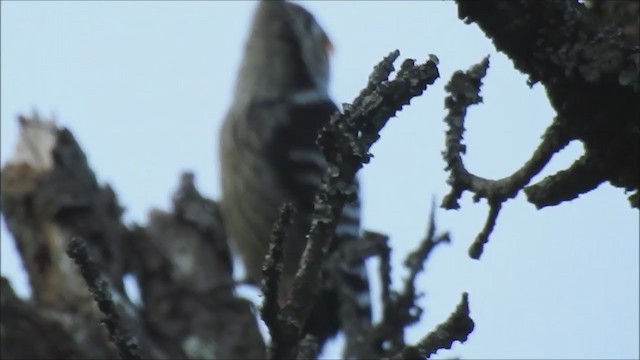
144 86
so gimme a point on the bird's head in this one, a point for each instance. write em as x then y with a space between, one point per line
287 51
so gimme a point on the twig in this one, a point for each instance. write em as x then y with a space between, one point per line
457 328
345 142
272 270
416 259
465 91
581 177
476 248
589 68
385 264
400 310
126 344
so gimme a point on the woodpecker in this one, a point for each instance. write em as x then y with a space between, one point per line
269 154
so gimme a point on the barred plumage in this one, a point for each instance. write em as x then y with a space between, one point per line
268 143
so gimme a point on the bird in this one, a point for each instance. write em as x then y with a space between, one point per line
269 156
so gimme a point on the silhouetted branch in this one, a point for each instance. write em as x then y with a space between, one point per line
457 328
476 248
384 268
49 195
181 259
345 142
584 175
271 271
464 89
587 59
127 345
416 259
399 309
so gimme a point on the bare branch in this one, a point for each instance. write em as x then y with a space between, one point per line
465 91
127 345
272 270
589 67
345 143
457 328
181 259
476 248
417 258
584 175
385 265
400 310
50 195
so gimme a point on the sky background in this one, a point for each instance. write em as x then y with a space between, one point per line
144 86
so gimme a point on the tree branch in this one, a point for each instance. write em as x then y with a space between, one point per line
181 259
345 142
399 310
127 345
457 328
582 176
464 90
589 67
271 271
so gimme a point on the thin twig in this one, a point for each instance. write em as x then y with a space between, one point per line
417 258
456 328
464 89
271 271
399 309
126 344
476 248
345 142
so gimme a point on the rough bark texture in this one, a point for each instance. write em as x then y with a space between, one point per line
589 65
587 59
54 206
50 196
